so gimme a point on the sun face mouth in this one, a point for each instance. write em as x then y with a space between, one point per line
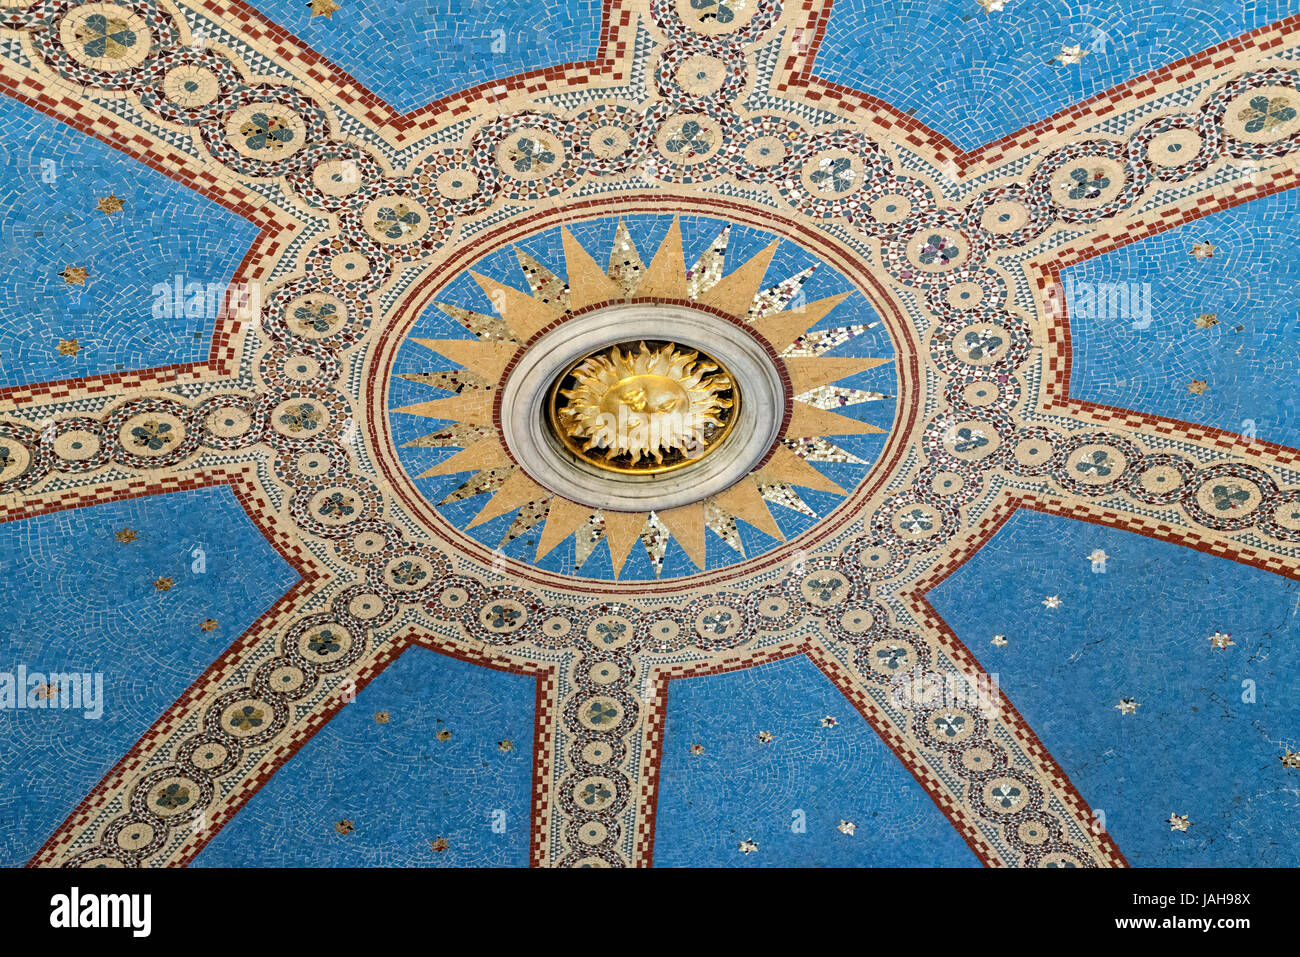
655 407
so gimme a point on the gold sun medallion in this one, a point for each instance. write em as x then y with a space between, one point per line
687 404
643 408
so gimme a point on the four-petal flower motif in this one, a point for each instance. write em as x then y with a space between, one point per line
397 220
266 132
1087 183
1266 112
103 37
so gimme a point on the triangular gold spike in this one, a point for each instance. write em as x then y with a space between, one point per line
542 283
783 328
665 277
523 314
587 539
625 266
785 466
809 372
707 271
480 483
452 380
623 529
488 359
529 517
686 523
807 421
476 409
746 502
563 520
487 454
457 436
775 298
480 323
588 283
735 294
723 524
517 490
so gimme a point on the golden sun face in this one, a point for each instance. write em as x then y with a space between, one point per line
644 410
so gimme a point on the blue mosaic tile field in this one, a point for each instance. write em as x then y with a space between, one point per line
411 52
51 181
788 795
597 237
1249 358
975 76
1194 746
1160 678
77 599
402 788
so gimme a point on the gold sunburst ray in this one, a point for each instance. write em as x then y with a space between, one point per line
487 360
665 277
528 518
655 538
477 484
724 526
452 382
459 436
813 345
484 455
524 314
744 293
589 535
487 327
783 329
734 293
589 284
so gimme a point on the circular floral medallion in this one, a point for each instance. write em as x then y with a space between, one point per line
104 36
530 154
1263 115
152 434
265 131
395 220
689 139
190 87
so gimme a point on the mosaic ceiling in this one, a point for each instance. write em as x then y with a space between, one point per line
678 432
